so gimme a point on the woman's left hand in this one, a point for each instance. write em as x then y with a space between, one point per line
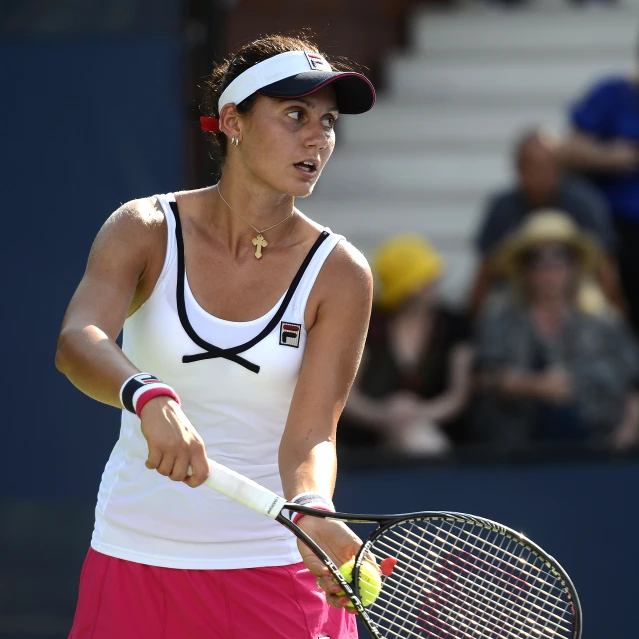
339 542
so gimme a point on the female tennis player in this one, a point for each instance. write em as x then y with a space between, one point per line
244 323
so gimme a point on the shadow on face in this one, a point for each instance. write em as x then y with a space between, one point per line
287 142
539 173
423 300
550 271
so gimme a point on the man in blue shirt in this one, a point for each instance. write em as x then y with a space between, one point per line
605 147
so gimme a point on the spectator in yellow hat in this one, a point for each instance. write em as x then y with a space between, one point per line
414 380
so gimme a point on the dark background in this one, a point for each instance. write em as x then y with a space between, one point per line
98 105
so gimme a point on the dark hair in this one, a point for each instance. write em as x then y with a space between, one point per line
531 136
249 55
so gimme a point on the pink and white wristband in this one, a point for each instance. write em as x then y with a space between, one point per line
310 500
142 387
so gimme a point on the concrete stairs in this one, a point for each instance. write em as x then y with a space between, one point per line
439 139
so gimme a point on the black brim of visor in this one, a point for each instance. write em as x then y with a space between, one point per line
354 92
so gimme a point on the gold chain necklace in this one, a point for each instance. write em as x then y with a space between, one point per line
259 242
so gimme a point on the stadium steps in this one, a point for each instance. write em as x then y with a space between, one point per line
439 140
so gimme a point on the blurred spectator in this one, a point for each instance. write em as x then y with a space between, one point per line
503 3
605 145
415 373
520 3
541 184
555 363
595 3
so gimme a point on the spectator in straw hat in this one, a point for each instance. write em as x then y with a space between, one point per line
415 374
554 363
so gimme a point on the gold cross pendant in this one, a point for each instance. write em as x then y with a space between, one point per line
259 243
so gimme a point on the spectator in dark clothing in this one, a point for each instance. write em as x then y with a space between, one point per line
414 380
541 184
555 363
521 3
605 147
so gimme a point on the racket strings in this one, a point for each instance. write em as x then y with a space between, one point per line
497 595
490 596
459 579
457 601
503 590
457 614
514 559
418 541
395 602
485 543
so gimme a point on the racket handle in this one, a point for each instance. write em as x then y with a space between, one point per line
243 490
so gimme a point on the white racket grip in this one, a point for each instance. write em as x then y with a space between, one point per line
243 490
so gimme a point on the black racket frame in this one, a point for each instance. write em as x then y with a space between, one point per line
384 522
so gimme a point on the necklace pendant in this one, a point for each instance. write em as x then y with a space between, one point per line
259 243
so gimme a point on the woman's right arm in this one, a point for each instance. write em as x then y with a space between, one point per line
122 254
123 266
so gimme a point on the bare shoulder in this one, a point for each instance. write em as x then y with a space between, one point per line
346 275
144 214
348 261
129 249
345 270
138 223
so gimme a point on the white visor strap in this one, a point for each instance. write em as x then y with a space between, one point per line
279 67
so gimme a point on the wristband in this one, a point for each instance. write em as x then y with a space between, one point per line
142 387
310 500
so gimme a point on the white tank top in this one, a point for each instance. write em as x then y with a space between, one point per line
235 381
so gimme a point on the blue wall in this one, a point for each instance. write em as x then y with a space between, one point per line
584 514
86 125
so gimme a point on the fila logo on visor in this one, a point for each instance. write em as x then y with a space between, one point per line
290 334
317 62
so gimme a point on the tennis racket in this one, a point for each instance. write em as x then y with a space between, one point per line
451 575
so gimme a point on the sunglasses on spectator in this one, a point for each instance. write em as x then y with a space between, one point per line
548 256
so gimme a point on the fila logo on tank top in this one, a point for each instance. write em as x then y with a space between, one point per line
290 334
236 381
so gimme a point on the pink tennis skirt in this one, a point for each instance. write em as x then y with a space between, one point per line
121 599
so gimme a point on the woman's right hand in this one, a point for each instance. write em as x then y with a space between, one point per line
173 442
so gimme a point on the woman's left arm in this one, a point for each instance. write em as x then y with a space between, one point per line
338 313
337 319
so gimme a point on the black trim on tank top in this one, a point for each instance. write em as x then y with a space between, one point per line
232 354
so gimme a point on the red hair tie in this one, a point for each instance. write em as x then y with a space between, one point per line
209 124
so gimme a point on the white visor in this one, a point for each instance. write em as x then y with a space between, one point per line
305 72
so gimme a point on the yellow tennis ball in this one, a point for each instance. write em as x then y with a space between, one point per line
370 581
